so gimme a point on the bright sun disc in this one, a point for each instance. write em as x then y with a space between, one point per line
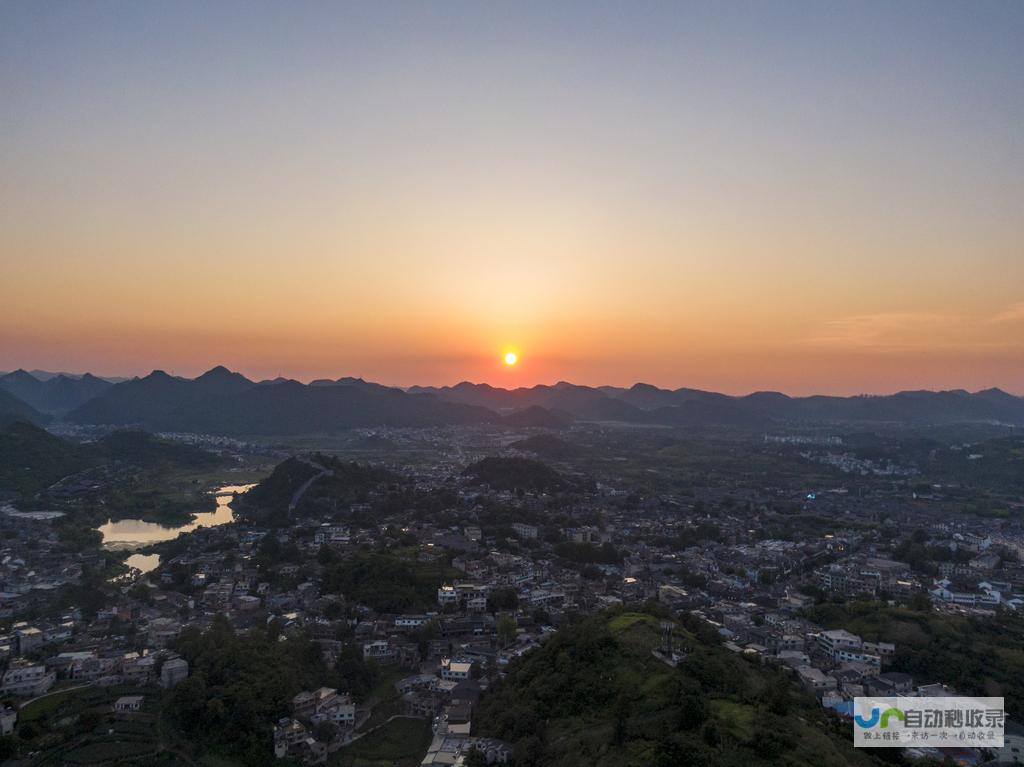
511 358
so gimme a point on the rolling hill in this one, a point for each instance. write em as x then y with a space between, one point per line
594 695
32 459
506 473
302 485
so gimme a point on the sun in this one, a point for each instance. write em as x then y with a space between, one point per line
511 358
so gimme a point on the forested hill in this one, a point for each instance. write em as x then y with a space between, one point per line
594 696
505 473
32 459
317 483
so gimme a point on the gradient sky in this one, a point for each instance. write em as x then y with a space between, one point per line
811 197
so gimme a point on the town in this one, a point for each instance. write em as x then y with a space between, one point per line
415 585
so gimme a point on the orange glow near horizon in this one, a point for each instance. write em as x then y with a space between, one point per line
823 200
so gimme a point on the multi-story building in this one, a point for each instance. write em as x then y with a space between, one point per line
25 679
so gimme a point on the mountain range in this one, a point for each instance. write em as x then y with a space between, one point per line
224 402
54 394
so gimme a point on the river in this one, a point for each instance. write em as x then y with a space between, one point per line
136 533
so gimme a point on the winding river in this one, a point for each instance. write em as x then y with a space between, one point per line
136 533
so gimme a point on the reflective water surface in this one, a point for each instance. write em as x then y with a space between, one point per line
135 533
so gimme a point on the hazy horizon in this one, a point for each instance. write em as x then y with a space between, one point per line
592 384
794 196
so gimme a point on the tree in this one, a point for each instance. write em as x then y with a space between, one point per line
920 602
504 598
711 733
622 713
326 555
354 674
506 629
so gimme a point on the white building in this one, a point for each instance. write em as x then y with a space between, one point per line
379 650
524 531
447 595
24 679
455 671
128 703
843 647
410 621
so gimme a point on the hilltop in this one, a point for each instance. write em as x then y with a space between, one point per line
549 447
55 394
502 473
302 485
593 695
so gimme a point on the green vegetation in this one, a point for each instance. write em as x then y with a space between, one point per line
146 451
594 695
550 448
588 553
100 752
399 743
126 474
999 469
78 726
239 685
338 484
32 459
518 474
974 655
386 582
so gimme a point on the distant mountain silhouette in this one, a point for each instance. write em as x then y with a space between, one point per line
220 380
644 403
46 375
359 383
141 401
537 417
225 402
14 409
56 394
292 408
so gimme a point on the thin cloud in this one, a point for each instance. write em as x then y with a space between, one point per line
1013 313
916 331
887 330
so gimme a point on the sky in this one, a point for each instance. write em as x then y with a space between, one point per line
738 196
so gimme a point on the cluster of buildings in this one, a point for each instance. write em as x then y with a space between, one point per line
728 554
